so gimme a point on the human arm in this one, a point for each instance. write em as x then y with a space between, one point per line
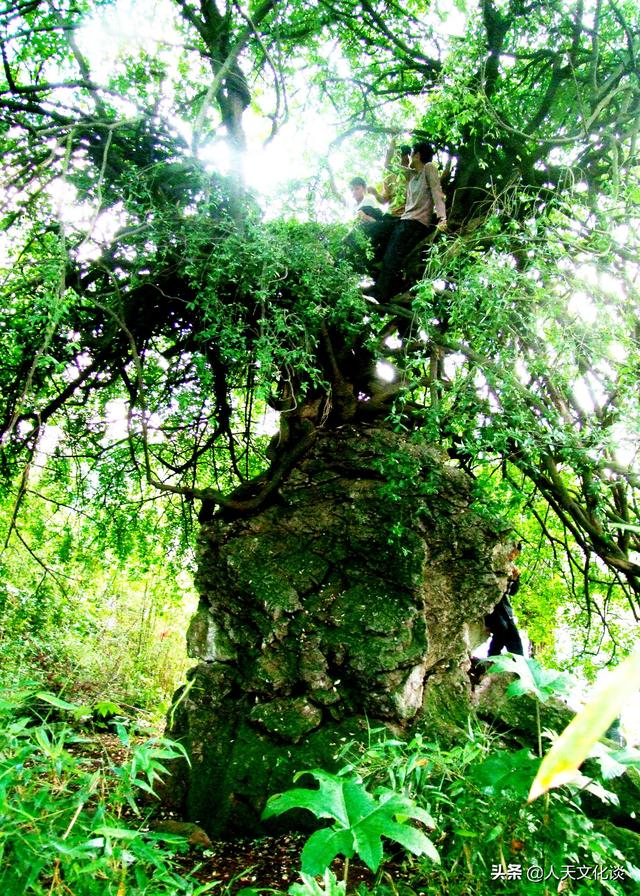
380 197
433 179
513 585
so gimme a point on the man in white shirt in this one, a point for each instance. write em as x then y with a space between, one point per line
371 223
424 198
367 206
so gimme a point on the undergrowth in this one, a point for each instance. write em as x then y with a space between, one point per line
69 827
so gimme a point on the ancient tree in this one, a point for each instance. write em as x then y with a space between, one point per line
341 560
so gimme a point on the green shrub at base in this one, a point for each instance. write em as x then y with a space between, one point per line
62 820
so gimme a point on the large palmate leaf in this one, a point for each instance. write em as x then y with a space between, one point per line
360 821
532 677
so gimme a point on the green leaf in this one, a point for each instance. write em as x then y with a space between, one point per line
117 833
610 766
323 846
326 802
104 708
58 702
532 678
361 820
330 886
413 840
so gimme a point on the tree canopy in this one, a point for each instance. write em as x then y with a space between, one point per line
143 282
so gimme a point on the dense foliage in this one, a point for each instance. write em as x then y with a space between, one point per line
75 813
152 316
62 812
487 836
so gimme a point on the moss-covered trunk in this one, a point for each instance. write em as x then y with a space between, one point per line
344 605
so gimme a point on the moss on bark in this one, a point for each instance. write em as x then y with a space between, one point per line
344 604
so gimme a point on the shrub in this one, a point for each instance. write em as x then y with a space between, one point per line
477 794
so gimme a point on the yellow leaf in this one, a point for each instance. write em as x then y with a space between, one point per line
574 744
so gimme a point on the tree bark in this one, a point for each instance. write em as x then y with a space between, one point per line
346 605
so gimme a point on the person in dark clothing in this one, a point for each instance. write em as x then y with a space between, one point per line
364 245
614 733
501 624
500 621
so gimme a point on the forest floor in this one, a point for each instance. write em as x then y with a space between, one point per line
267 863
270 862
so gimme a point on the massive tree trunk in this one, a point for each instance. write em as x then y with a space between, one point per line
345 604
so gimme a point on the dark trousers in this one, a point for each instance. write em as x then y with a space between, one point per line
404 237
502 626
377 234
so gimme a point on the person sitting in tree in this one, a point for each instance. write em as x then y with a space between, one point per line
368 209
500 621
370 223
424 197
